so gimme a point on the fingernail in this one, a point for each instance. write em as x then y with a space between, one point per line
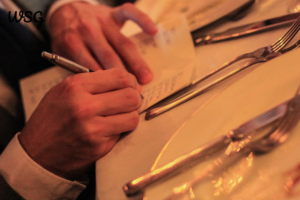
145 76
153 28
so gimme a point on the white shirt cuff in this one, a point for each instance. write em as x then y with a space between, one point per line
31 180
55 6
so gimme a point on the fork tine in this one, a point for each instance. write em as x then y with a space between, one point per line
282 43
294 46
287 37
288 122
291 29
283 129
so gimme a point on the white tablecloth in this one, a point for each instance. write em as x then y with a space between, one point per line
135 154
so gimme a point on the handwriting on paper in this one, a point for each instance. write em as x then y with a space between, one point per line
155 93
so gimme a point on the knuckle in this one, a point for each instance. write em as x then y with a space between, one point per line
107 57
132 96
86 27
89 138
126 6
125 44
74 113
83 110
69 41
122 77
72 84
89 134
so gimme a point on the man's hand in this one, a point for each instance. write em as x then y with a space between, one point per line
79 121
90 35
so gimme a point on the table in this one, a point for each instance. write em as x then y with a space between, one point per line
136 152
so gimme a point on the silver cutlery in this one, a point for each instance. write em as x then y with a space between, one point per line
263 54
238 11
245 30
264 51
138 184
263 145
293 6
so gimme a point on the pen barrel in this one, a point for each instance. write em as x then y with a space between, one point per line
71 66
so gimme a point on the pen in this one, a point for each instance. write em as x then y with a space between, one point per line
65 63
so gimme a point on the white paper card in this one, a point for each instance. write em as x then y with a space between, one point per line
171 56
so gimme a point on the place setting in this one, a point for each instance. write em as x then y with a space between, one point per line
231 109
231 133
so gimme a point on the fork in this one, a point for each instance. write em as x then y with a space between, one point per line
206 150
261 52
152 113
266 144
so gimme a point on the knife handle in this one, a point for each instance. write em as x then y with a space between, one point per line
225 35
137 185
244 30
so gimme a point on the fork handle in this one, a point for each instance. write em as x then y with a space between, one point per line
255 54
137 185
185 97
218 165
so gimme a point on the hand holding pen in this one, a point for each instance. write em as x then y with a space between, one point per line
80 119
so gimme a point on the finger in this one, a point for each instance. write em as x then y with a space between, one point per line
86 59
128 51
116 102
129 11
117 124
100 48
104 80
72 48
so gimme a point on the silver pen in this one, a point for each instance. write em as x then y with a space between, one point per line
65 63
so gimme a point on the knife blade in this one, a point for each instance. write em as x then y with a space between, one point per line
245 30
137 185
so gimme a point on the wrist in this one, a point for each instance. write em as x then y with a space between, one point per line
49 157
62 19
58 4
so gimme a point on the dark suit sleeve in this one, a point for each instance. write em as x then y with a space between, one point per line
6 192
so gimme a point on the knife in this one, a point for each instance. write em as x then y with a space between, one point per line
137 185
245 30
